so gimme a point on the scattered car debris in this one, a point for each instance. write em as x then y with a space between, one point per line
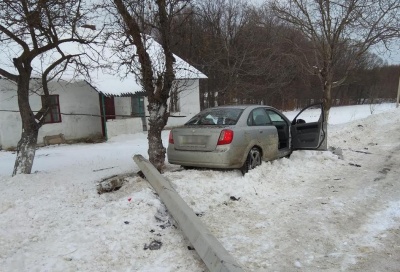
166 225
126 222
233 198
354 164
110 184
385 170
163 216
101 169
113 183
154 245
336 151
200 214
140 174
359 151
190 248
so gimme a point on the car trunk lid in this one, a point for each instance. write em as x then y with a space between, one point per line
197 138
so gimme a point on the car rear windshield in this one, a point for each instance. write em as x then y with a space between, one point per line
216 116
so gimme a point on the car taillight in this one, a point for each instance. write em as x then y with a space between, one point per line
225 137
171 138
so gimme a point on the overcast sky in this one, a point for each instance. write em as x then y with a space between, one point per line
392 56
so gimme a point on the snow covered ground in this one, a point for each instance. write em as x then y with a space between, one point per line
311 212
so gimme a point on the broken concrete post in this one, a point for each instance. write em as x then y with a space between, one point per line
210 250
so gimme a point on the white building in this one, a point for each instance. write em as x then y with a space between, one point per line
120 108
71 98
107 107
77 111
113 103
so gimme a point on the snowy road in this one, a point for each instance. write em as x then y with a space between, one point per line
311 212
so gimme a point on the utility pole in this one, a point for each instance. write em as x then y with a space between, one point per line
398 94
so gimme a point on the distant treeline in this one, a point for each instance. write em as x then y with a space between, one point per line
250 56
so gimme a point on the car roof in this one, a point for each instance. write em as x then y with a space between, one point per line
240 106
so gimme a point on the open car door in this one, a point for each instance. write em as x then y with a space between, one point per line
308 128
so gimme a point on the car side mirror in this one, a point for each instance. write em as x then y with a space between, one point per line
300 121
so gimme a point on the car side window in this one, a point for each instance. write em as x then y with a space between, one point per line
275 117
258 117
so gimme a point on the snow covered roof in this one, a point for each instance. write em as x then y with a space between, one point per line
116 80
107 75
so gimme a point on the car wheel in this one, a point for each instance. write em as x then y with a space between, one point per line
252 161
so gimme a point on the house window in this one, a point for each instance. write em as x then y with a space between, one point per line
53 115
174 101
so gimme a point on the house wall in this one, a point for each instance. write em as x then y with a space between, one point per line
79 98
123 106
189 105
123 124
117 127
74 98
189 97
189 100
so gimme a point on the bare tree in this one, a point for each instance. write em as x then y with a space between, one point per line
137 20
32 33
243 50
335 26
271 65
222 22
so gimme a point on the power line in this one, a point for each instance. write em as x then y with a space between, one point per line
94 115
80 114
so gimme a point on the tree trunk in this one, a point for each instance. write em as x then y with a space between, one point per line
157 121
327 103
26 147
26 152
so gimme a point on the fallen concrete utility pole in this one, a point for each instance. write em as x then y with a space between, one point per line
398 94
210 250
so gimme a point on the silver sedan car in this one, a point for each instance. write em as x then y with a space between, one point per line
243 136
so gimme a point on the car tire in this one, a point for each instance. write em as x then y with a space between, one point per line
252 161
